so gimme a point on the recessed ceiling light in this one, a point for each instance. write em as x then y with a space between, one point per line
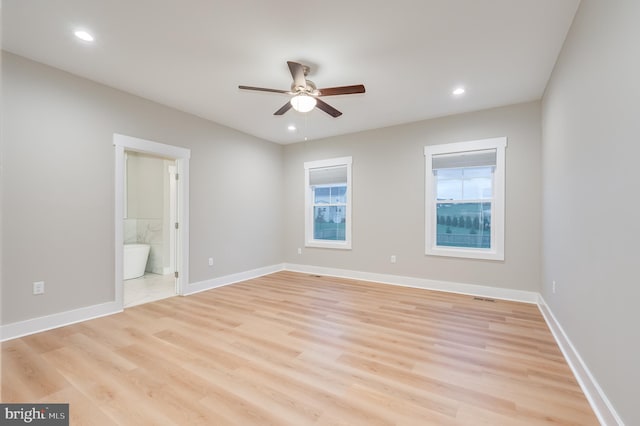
291 128
83 35
458 91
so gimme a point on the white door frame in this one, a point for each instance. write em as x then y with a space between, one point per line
124 143
173 218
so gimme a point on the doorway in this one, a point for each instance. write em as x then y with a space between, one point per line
149 232
167 266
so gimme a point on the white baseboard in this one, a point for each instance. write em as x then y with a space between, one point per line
597 398
451 287
36 325
601 405
230 279
48 322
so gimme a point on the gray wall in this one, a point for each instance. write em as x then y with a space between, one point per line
388 199
58 189
145 186
591 147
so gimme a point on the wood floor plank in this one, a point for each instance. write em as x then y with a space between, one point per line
33 377
297 349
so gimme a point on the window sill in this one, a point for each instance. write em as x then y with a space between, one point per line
332 245
466 253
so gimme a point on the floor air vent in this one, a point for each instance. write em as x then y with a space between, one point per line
484 299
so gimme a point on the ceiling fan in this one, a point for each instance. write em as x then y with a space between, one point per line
305 94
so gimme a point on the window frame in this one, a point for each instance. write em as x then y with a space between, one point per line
309 204
496 250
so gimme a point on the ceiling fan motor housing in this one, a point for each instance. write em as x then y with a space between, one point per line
310 89
303 88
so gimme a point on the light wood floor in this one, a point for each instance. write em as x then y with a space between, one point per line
293 349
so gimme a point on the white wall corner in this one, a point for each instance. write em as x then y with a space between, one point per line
601 405
48 322
193 288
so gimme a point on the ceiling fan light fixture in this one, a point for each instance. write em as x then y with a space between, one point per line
303 103
305 95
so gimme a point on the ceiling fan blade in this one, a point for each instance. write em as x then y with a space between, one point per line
297 72
262 89
286 107
327 108
342 90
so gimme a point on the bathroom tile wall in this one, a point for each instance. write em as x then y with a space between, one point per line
130 231
149 231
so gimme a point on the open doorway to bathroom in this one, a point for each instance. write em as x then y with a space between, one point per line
149 232
152 239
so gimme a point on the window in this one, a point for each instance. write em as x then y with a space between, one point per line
465 199
328 203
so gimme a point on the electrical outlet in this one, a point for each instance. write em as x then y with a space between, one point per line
211 261
299 250
38 287
553 287
393 258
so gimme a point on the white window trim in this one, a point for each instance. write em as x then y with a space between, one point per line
496 252
308 202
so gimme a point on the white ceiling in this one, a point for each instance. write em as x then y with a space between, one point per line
193 54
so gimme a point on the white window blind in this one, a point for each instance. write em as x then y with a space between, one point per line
464 159
328 176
